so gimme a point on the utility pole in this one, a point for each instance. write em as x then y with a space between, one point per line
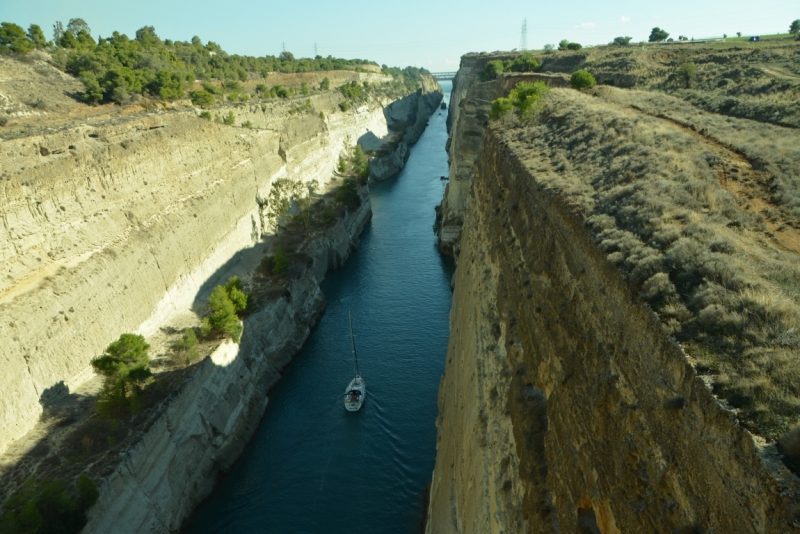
523 40
283 46
315 49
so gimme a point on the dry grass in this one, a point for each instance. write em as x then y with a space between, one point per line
689 222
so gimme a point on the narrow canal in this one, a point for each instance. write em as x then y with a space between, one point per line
312 467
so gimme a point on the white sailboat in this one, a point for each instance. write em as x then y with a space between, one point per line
356 391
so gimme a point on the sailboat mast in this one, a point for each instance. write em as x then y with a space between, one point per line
353 342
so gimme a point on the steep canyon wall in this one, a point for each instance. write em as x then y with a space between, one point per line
114 226
564 407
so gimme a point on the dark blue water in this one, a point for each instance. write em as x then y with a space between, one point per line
312 467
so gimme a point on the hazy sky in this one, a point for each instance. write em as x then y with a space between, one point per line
426 33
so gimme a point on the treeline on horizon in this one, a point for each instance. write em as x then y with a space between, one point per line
114 68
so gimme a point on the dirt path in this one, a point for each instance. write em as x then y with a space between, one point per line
738 176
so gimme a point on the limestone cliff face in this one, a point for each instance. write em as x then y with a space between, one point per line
406 119
205 428
563 406
470 103
113 227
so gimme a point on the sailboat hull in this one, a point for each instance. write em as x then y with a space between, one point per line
355 394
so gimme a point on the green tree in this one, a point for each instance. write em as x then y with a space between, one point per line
87 492
36 36
77 26
657 35
58 31
622 41
548 49
341 165
563 44
524 63
686 73
261 89
68 40
45 506
581 79
347 193
236 293
526 96
794 28
125 366
574 46
359 162
92 93
168 85
201 98
13 38
223 318
306 203
325 84
229 119
304 88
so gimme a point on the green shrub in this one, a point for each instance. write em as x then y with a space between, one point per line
341 165
321 116
574 46
525 97
491 70
229 119
500 108
3 121
622 41
225 302
201 98
186 347
280 264
686 73
232 86
304 88
344 106
125 366
45 506
261 89
352 90
524 63
325 84
581 79
213 89
247 124
280 91
359 162
205 115
87 492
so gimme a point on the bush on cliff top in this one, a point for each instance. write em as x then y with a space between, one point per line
526 97
524 63
582 79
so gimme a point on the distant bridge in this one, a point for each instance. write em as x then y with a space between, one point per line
443 75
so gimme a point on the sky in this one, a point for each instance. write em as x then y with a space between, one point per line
425 33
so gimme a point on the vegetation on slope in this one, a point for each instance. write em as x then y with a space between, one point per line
113 69
686 220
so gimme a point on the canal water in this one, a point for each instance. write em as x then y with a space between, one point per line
312 467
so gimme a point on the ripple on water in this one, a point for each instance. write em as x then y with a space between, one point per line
312 467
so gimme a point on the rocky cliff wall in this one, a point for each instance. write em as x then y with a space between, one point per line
470 103
564 407
114 227
205 428
407 119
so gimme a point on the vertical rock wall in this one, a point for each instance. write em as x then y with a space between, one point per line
563 406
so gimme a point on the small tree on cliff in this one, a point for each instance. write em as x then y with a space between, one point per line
125 366
225 302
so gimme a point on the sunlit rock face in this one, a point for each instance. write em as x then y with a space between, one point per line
114 227
564 406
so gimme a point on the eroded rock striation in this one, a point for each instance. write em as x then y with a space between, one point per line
565 406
